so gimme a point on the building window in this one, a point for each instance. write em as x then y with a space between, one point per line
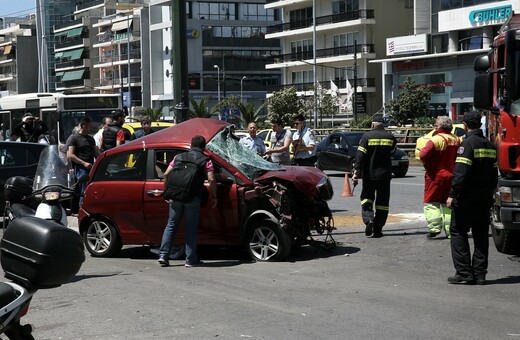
301 77
216 10
346 39
256 12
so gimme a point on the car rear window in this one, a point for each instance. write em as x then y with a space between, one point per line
123 166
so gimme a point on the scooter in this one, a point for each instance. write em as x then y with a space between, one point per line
42 197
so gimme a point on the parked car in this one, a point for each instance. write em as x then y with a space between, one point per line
458 130
338 150
17 159
130 128
266 207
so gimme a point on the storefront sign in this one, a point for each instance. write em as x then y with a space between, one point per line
407 44
490 14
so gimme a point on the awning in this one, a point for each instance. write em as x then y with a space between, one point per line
58 55
74 32
76 54
59 74
73 75
7 49
120 25
61 34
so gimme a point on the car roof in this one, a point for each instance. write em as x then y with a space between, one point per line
182 133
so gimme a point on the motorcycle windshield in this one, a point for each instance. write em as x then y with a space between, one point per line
53 170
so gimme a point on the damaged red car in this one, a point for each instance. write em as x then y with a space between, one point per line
269 209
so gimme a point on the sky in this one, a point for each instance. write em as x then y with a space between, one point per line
16 8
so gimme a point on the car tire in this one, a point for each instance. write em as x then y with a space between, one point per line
101 238
266 241
400 173
506 241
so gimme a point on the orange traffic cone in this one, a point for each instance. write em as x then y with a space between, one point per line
346 187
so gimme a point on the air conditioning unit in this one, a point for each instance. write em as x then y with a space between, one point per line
365 49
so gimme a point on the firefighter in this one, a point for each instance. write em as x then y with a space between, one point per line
438 157
471 197
373 163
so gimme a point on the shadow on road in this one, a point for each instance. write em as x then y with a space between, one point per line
309 253
504 281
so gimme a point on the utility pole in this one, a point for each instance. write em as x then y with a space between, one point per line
354 99
179 59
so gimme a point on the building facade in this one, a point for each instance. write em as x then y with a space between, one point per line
324 41
448 35
227 51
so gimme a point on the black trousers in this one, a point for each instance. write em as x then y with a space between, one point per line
377 191
464 219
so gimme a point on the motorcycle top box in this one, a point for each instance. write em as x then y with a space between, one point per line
40 253
17 189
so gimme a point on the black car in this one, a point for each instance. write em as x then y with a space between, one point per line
17 159
338 150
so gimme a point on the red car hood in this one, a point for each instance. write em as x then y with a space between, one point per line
304 178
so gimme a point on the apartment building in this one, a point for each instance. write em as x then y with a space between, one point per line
335 40
448 35
18 62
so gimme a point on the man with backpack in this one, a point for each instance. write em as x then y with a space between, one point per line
185 191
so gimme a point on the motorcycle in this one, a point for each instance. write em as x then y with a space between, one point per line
42 197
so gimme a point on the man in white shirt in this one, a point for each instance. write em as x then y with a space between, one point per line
304 145
253 142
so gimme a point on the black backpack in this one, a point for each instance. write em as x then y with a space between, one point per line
186 180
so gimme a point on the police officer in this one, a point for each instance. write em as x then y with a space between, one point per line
374 164
474 182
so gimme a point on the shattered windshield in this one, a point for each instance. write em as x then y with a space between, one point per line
226 145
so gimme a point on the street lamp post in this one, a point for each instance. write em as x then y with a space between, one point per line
128 51
241 87
218 81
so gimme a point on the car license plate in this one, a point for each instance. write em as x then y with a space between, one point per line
395 163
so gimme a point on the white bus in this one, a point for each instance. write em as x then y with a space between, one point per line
60 112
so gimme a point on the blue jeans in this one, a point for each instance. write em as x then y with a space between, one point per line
80 171
190 211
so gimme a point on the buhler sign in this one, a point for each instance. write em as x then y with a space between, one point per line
490 14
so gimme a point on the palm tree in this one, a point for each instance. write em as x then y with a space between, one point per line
154 114
248 114
200 109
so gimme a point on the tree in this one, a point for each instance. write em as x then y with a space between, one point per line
248 114
285 105
199 109
411 103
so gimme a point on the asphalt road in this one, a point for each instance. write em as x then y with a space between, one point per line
389 288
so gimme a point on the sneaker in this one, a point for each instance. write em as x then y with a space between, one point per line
461 280
163 262
193 264
431 235
369 229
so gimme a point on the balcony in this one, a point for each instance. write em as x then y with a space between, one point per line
324 53
68 24
328 19
63 85
325 85
77 41
72 64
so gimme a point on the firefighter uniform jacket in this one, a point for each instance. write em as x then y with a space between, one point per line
476 175
438 157
374 155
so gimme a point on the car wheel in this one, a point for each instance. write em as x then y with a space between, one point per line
101 238
400 173
506 241
267 241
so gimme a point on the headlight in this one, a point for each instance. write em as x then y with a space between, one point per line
325 189
405 157
509 195
51 195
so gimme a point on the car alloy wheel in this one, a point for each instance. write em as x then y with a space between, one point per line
101 238
268 242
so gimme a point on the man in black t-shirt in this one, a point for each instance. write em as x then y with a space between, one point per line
82 151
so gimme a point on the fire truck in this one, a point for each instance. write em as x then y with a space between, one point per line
497 92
